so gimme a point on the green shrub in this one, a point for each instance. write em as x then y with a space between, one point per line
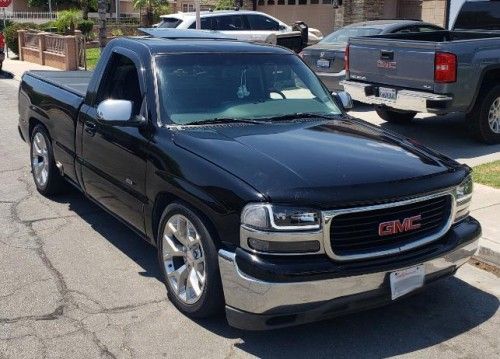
7 23
117 32
49 26
85 26
67 20
10 34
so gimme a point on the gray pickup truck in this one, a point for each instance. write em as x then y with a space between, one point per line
435 72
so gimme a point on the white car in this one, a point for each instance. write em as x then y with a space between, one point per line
241 24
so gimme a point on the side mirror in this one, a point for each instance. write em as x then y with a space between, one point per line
118 113
283 27
344 99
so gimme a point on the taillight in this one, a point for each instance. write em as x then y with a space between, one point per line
346 58
445 67
2 42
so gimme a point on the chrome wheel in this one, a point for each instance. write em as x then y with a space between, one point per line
184 259
494 116
40 160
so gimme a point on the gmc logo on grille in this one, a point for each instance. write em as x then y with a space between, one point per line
395 227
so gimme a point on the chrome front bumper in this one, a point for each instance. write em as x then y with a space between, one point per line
256 304
406 100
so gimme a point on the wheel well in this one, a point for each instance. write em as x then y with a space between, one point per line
163 200
490 77
32 124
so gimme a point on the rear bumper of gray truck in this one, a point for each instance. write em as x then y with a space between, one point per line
406 100
262 293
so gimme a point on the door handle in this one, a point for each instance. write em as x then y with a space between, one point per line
90 127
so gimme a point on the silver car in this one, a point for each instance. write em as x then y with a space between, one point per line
326 58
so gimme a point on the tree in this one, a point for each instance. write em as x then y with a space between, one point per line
102 6
224 4
154 9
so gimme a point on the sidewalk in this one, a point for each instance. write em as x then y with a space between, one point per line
18 68
485 208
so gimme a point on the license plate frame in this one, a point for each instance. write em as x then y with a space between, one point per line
323 64
406 280
387 93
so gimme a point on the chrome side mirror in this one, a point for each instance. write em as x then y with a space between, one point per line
344 99
118 113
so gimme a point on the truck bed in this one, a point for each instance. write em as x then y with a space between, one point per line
75 82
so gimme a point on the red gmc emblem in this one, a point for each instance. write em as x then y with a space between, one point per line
395 227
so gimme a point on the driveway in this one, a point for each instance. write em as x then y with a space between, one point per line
76 283
447 134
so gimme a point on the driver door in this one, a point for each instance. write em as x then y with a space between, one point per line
114 156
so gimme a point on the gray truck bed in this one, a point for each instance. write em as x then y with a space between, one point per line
76 82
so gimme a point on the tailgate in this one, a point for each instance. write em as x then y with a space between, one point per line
399 63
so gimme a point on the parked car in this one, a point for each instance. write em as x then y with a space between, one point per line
258 191
435 72
242 24
2 46
326 58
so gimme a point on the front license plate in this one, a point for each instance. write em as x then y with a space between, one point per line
387 93
322 63
406 280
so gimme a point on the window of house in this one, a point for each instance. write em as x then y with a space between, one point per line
302 2
270 2
184 7
313 2
291 2
260 2
327 1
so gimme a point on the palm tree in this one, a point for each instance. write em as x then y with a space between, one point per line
101 8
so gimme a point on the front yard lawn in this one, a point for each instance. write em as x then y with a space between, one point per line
488 174
92 58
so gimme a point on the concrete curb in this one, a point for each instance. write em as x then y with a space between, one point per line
488 252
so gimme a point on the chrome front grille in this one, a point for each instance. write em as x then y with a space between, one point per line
353 234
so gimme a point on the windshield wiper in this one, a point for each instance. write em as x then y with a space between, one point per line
299 115
214 121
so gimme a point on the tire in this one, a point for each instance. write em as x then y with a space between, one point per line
48 180
394 116
193 296
484 119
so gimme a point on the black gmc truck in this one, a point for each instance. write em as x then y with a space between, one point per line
258 190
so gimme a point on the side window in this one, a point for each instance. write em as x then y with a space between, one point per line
405 30
121 82
206 24
231 23
259 22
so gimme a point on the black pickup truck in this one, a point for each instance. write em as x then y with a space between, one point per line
260 193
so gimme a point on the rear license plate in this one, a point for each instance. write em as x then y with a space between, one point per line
322 63
406 280
387 93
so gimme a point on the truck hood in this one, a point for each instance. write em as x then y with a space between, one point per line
321 163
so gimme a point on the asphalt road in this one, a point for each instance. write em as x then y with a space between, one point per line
75 283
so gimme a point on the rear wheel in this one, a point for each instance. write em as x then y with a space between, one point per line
484 119
394 116
189 262
48 179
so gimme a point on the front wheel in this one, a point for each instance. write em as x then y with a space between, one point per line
189 262
484 119
394 116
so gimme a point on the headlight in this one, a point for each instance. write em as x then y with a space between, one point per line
463 196
267 217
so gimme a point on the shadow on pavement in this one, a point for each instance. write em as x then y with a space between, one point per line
4 75
445 310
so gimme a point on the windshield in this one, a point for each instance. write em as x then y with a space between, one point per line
238 86
344 34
